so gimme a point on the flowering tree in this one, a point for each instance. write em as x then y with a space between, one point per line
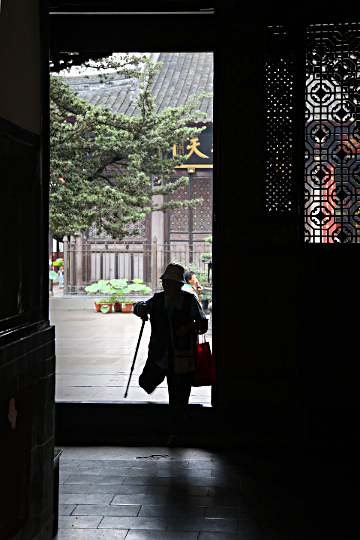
101 161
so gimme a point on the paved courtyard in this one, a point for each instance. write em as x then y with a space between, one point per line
94 353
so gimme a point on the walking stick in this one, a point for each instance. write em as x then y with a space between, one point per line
133 364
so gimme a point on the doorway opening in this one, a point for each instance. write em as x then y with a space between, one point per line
95 349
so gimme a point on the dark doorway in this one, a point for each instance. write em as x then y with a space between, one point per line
97 35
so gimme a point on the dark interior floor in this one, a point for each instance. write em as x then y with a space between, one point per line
154 493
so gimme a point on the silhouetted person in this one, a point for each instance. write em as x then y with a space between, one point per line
176 319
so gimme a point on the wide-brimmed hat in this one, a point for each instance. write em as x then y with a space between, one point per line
175 272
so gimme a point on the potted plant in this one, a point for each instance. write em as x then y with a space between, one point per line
104 305
117 288
206 257
123 289
58 262
206 299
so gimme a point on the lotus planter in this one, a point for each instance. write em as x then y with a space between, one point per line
127 308
98 306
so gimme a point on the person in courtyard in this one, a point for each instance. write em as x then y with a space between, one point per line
61 277
176 319
192 284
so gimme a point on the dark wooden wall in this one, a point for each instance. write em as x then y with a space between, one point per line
278 362
27 362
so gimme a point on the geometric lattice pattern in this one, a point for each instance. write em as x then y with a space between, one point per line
179 217
332 135
279 103
140 225
202 217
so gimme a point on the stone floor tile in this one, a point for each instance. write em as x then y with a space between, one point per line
107 463
66 509
90 534
212 525
161 535
169 490
168 481
70 393
138 452
92 352
128 471
227 512
154 464
98 498
161 464
203 501
67 461
138 472
197 464
173 511
75 470
73 488
87 370
153 500
146 523
219 491
183 473
94 479
138 481
220 473
165 491
79 522
125 490
196 491
115 489
226 536
127 510
83 380
63 478
212 482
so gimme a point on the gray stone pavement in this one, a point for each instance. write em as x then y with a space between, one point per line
94 353
157 493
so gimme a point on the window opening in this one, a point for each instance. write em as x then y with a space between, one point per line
332 136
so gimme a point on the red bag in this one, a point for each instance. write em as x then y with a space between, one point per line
205 370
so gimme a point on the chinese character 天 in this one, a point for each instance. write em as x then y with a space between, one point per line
194 143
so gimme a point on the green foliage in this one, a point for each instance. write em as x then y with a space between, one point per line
101 286
206 255
101 161
58 262
53 274
117 288
199 272
104 308
202 276
208 239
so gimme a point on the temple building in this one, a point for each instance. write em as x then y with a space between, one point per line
179 233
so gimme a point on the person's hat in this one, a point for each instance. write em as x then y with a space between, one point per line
175 272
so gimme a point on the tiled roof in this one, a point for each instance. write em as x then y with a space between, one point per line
182 75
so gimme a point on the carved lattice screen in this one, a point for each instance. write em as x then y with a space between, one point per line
332 136
179 217
202 219
279 101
